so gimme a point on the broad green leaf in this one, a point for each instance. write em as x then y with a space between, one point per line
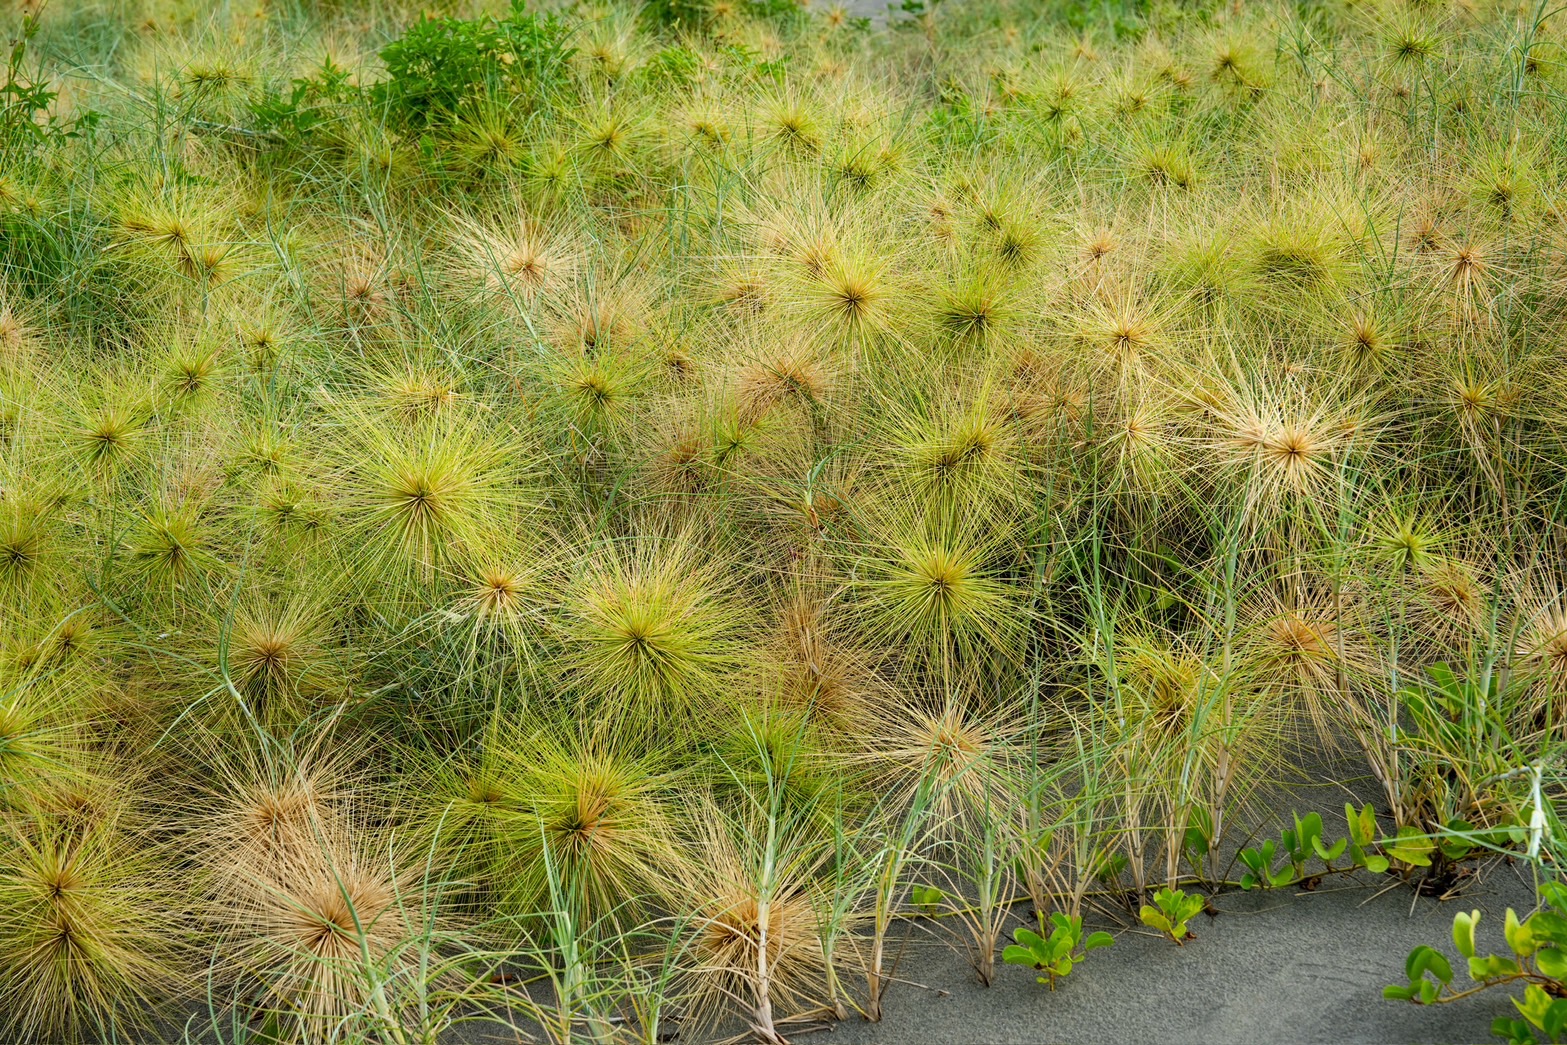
1097 940
1328 854
1491 967
1015 955
1520 938
1555 1022
1549 926
1445 680
1411 847
1456 848
1464 932
1552 961
1425 959
1154 919
1310 829
1362 824
1514 1032
1533 1004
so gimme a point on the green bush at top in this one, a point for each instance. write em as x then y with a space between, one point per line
27 118
440 63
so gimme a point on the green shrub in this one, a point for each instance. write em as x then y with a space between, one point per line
441 63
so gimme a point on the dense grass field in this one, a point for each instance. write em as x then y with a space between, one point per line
580 524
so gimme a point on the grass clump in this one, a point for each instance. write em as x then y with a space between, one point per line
575 519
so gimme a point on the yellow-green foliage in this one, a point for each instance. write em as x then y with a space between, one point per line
603 496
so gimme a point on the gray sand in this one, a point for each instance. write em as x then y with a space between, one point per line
1279 966
1276 966
1273 967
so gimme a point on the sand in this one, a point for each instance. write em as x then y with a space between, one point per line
1275 966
